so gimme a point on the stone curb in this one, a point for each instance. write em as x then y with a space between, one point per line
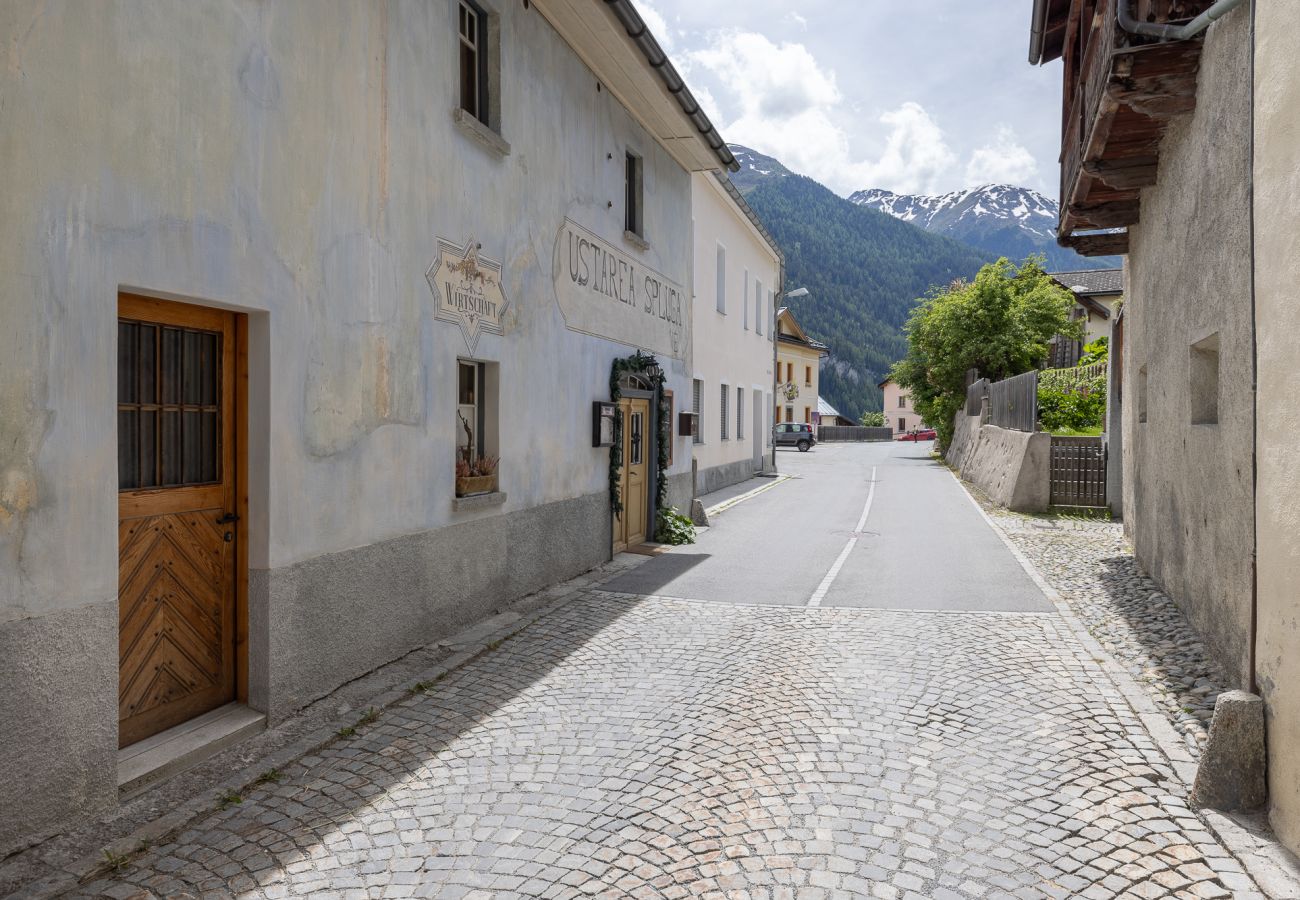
469 644
748 495
1278 876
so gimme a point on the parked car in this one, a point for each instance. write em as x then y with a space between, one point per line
917 434
795 434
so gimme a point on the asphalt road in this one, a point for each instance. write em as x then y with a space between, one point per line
923 545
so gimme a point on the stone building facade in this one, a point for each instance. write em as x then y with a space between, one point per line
269 273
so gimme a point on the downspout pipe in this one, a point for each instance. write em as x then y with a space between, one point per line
1124 13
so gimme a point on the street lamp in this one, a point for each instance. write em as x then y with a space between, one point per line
776 341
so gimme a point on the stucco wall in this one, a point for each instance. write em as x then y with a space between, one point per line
732 348
296 161
1277 271
800 358
894 411
1187 488
1011 467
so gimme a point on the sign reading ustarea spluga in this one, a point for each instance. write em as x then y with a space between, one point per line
604 292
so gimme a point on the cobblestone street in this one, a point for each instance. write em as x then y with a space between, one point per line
662 748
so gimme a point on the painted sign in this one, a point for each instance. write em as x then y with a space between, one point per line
605 292
467 288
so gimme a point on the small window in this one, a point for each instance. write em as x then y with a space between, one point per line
758 307
744 303
476 411
902 425
1204 386
771 305
722 279
473 60
807 375
807 414
1142 394
789 413
697 407
637 439
740 413
771 417
725 390
902 401
789 371
634 191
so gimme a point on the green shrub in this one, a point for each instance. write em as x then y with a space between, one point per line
674 528
873 419
1079 408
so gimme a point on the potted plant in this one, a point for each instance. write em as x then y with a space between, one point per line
476 477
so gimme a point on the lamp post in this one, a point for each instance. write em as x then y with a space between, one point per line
776 343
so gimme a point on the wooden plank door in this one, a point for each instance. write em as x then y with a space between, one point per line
176 513
630 528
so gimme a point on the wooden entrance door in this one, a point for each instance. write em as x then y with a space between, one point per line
176 513
634 481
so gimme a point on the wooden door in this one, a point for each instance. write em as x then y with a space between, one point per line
630 528
176 513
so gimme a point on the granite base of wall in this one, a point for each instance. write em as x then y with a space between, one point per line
716 478
58 715
1011 467
680 493
320 623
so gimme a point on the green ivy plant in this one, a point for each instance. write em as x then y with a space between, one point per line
673 527
647 366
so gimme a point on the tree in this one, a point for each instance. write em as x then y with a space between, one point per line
873 419
999 325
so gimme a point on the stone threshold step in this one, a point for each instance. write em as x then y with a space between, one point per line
147 762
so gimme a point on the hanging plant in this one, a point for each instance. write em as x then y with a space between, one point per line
646 367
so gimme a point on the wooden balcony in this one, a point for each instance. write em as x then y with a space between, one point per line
1121 92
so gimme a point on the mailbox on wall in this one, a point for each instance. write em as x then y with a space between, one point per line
602 423
687 423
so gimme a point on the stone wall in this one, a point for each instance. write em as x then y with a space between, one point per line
1011 467
1187 483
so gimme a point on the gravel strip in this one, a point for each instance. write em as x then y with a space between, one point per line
1092 566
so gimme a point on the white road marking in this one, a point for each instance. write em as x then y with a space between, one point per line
748 495
820 594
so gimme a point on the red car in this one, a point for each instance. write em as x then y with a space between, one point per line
917 434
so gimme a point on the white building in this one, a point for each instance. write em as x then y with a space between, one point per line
268 275
737 278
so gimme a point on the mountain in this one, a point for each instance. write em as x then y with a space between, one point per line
755 168
864 271
1003 219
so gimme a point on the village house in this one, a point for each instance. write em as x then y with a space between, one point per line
1097 292
737 274
900 416
1178 151
310 313
798 363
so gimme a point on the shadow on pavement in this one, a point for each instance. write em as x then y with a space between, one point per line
651 577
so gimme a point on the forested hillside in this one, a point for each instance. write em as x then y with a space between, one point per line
864 271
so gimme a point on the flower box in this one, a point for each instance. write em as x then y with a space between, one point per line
475 484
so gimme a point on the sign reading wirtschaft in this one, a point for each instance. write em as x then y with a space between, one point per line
604 292
467 288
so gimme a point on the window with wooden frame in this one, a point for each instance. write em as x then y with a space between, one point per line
807 375
634 191
474 97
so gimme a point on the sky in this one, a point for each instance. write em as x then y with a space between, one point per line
914 96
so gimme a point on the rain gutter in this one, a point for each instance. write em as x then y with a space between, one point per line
1170 32
640 34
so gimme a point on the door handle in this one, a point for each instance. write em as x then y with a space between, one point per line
228 518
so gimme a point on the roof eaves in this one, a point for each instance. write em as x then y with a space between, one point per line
640 34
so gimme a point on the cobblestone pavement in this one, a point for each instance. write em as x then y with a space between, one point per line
1091 565
647 747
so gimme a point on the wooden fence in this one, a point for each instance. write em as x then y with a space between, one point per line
1013 402
976 391
853 433
1078 471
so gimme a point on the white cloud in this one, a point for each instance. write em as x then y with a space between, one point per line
1005 161
916 157
657 24
798 20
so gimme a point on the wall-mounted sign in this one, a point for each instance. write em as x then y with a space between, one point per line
467 288
602 423
605 292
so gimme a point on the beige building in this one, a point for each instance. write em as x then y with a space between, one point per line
737 277
310 315
1211 242
1097 293
798 361
900 417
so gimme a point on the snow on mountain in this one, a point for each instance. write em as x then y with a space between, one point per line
1002 218
1028 209
755 168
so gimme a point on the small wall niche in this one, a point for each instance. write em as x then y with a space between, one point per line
1142 394
1203 381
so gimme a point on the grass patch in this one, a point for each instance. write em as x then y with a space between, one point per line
423 687
229 799
114 862
370 716
1094 431
346 731
270 776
